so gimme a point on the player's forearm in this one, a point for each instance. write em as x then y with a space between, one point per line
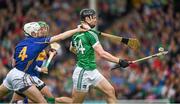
107 56
63 36
110 36
103 54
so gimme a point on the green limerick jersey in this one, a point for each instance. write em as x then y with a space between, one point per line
84 43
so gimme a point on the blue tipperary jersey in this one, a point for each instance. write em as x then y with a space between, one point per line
27 51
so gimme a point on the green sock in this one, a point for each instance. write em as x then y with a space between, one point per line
50 100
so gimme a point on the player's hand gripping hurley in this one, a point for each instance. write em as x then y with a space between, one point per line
55 47
130 42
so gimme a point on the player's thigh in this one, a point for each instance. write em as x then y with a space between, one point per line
77 96
42 86
105 86
3 90
34 94
80 80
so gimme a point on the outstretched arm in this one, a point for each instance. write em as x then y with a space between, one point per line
107 56
103 54
67 34
64 35
131 42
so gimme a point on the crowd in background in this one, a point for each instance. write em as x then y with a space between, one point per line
156 23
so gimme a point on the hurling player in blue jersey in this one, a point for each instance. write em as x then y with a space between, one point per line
18 97
26 52
40 63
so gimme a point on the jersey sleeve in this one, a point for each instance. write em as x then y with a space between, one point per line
93 38
43 40
41 43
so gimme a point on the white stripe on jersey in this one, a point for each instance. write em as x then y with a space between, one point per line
95 44
79 36
93 34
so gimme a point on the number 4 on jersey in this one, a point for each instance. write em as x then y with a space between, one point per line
80 47
22 54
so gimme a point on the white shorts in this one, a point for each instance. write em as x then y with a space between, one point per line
17 80
37 82
83 79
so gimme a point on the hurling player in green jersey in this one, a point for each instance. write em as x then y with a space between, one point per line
85 45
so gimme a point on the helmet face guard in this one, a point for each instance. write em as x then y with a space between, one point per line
43 24
34 27
31 27
46 26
